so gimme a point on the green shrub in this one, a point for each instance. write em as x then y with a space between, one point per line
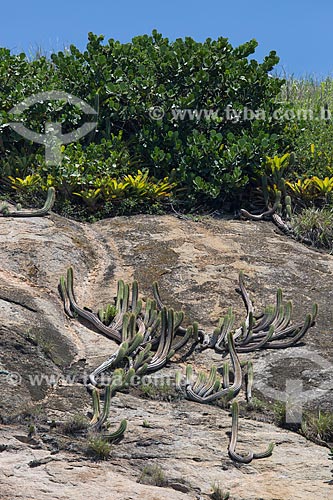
212 159
279 410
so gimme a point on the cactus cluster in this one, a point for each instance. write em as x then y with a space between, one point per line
149 334
208 388
273 190
38 212
271 329
280 213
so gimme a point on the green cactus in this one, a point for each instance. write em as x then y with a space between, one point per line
287 202
244 459
96 406
149 335
249 382
99 419
271 329
38 212
206 390
118 434
107 313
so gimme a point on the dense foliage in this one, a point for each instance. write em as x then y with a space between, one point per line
211 158
196 125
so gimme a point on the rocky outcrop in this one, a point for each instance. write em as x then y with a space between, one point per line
197 266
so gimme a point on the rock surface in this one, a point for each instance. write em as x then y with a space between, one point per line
197 266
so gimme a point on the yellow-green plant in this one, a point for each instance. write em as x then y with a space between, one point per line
25 184
275 169
300 188
112 189
90 197
322 186
141 186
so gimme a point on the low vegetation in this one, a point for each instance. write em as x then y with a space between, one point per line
318 427
98 448
192 135
153 475
218 493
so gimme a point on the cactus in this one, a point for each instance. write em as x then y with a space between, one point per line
107 313
38 212
249 382
275 213
150 335
96 406
244 459
271 329
126 317
98 419
207 390
118 434
267 213
287 202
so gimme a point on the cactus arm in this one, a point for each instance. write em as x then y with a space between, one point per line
268 213
64 296
226 372
108 331
39 212
265 454
135 294
189 375
234 388
163 352
257 345
157 296
294 339
246 459
96 406
106 409
170 332
136 342
266 320
118 434
111 362
142 357
247 302
226 326
183 341
249 381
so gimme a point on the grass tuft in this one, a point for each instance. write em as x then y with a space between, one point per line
218 493
316 226
98 448
152 475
